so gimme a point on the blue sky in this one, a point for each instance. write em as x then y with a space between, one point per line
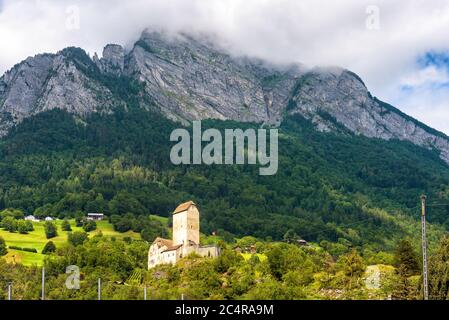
400 48
424 93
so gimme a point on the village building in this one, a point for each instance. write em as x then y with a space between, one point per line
31 218
95 216
186 238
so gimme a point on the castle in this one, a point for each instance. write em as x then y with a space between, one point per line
186 238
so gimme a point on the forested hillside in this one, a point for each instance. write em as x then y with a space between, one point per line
337 187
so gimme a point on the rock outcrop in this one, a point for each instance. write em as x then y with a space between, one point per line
186 79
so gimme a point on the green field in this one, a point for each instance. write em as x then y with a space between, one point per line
37 240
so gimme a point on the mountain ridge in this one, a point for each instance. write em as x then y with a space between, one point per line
187 79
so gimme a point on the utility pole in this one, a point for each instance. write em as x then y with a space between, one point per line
145 293
10 291
99 288
43 284
424 246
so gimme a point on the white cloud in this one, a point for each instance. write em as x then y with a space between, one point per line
308 31
428 76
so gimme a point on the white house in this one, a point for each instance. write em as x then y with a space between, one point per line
48 219
31 218
95 216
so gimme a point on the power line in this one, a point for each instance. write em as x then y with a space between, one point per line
357 222
337 226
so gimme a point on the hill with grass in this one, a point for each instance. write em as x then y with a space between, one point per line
37 239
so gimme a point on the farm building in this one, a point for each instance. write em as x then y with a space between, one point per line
95 216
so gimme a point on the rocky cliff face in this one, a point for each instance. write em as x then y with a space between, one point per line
49 81
191 80
188 79
333 97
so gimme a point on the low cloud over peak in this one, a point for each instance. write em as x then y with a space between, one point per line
382 41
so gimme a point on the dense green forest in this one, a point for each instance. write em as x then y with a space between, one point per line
335 187
276 270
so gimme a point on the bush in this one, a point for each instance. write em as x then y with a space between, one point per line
66 226
3 250
77 238
89 225
9 224
49 248
23 249
24 227
29 226
50 230
79 221
14 213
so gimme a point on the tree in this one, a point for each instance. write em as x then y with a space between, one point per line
22 227
9 224
77 238
283 258
89 225
3 250
66 225
227 259
439 272
406 258
79 221
50 230
14 213
49 248
291 237
29 226
352 264
402 289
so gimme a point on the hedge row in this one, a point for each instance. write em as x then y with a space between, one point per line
23 249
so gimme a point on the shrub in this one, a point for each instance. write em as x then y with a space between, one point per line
3 250
77 238
66 226
50 230
23 249
49 248
89 225
79 221
24 227
9 224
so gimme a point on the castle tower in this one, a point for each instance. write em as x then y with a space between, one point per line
186 224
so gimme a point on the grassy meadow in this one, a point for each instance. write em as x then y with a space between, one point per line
36 239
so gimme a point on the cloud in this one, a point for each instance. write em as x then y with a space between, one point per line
424 92
385 52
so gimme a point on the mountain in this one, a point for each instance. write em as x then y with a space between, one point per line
187 78
91 134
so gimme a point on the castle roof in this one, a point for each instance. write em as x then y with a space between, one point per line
166 242
171 248
184 206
